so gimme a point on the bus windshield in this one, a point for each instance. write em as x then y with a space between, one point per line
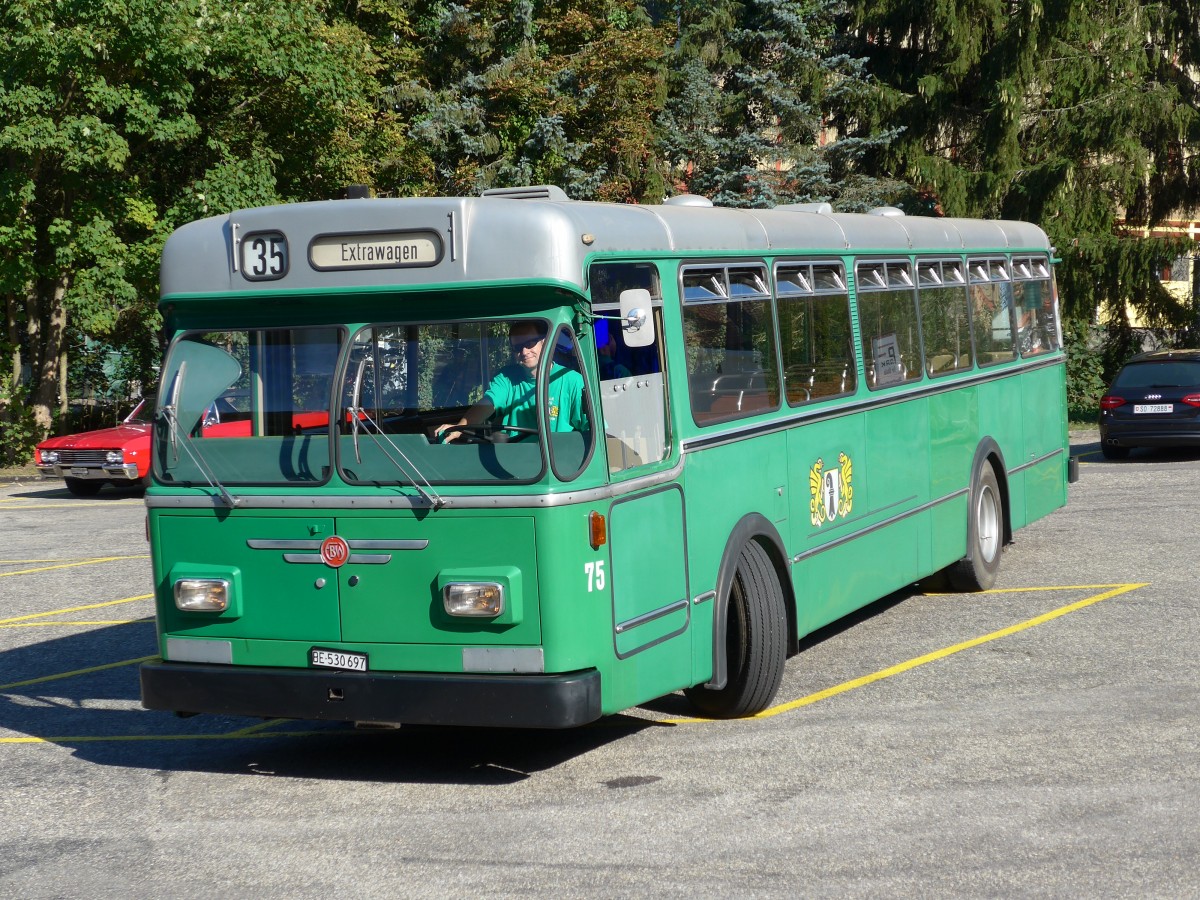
464 402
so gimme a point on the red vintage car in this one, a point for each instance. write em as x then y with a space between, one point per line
87 461
120 456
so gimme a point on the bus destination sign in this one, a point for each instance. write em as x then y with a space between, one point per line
375 250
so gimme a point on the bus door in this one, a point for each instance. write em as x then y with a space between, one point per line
651 611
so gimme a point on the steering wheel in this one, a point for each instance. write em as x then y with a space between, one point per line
489 433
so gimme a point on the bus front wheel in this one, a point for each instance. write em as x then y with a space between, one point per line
985 536
755 641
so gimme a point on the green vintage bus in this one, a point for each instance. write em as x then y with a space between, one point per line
740 426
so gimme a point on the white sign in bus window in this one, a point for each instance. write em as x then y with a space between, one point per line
375 250
885 351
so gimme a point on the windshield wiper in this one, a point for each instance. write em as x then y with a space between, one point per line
427 493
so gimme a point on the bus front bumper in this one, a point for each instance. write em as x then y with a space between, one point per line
509 701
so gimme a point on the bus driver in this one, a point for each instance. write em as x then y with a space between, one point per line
512 394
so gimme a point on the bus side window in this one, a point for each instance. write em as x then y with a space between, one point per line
729 335
991 311
817 344
942 295
632 389
1037 326
887 315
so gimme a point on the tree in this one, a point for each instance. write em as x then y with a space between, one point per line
751 85
121 121
1077 117
537 92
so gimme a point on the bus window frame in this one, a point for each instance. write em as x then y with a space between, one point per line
883 281
726 298
937 266
812 290
981 271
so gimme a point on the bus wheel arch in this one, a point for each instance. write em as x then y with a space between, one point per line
989 523
754 627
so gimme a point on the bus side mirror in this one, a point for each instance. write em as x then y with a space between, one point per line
635 318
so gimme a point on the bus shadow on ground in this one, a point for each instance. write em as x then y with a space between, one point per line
98 714
677 705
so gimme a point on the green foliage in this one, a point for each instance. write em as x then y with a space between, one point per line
1066 115
1083 344
20 433
120 121
750 86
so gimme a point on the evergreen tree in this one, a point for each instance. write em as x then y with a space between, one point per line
1077 117
745 122
537 92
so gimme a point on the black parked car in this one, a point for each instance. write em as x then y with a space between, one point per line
1153 402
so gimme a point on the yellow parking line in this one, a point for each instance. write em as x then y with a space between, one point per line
86 562
254 729
900 668
231 736
85 622
74 672
257 730
9 504
69 609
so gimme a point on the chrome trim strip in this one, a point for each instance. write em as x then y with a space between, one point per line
256 544
704 598
1036 461
890 520
483 501
370 559
362 559
630 624
388 545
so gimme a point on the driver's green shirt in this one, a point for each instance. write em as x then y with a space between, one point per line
513 393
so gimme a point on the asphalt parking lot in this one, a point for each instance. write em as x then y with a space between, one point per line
1036 740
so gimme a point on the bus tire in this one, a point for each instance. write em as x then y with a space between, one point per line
985 535
755 644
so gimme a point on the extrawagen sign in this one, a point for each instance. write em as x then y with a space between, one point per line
375 250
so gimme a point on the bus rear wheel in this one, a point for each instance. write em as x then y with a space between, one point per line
755 641
985 536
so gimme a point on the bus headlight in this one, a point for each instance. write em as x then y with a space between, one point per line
481 599
202 594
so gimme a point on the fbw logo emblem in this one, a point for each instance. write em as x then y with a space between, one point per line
335 551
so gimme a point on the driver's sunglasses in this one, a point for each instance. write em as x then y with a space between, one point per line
518 346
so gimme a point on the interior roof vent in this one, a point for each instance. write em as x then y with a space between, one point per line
533 192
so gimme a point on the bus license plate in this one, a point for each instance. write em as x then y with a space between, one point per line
337 659
1153 408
